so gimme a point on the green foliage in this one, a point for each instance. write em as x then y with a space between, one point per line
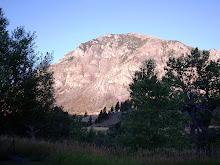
156 122
26 93
117 107
57 125
79 153
132 42
68 158
90 121
112 109
197 80
125 106
77 131
153 129
103 115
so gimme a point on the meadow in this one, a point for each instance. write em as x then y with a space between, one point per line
75 153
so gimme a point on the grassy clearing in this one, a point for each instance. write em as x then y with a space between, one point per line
68 153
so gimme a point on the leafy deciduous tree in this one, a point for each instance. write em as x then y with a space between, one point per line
26 92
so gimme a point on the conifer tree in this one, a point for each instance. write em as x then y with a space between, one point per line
117 107
198 80
90 120
112 109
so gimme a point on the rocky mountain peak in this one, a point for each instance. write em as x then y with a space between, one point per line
98 72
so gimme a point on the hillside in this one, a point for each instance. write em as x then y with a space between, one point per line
98 72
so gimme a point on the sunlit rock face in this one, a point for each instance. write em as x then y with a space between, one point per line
98 72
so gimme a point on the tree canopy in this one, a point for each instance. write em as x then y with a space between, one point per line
182 105
155 122
198 79
26 92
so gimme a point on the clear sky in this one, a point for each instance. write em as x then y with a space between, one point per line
61 25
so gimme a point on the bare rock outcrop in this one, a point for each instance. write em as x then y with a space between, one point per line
98 72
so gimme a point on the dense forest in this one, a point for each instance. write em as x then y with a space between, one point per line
179 111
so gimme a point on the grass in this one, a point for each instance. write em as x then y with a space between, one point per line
82 159
30 163
68 153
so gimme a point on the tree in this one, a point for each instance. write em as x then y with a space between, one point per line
77 131
124 106
102 115
117 107
112 109
105 115
197 79
156 121
90 120
26 92
122 109
57 125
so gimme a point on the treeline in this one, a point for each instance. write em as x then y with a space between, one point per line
123 107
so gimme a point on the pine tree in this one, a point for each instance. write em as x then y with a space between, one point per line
112 109
122 107
90 120
100 117
126 106
198 81
117 107
105 115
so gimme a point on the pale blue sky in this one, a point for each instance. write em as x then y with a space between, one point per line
61 25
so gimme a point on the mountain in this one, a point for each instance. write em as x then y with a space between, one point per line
98 72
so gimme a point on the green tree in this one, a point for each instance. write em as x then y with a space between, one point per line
122 109
117 107
105 115
102 115
26 92
77 131
124 106
90 120
156 121
56 126
112 109
197 79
